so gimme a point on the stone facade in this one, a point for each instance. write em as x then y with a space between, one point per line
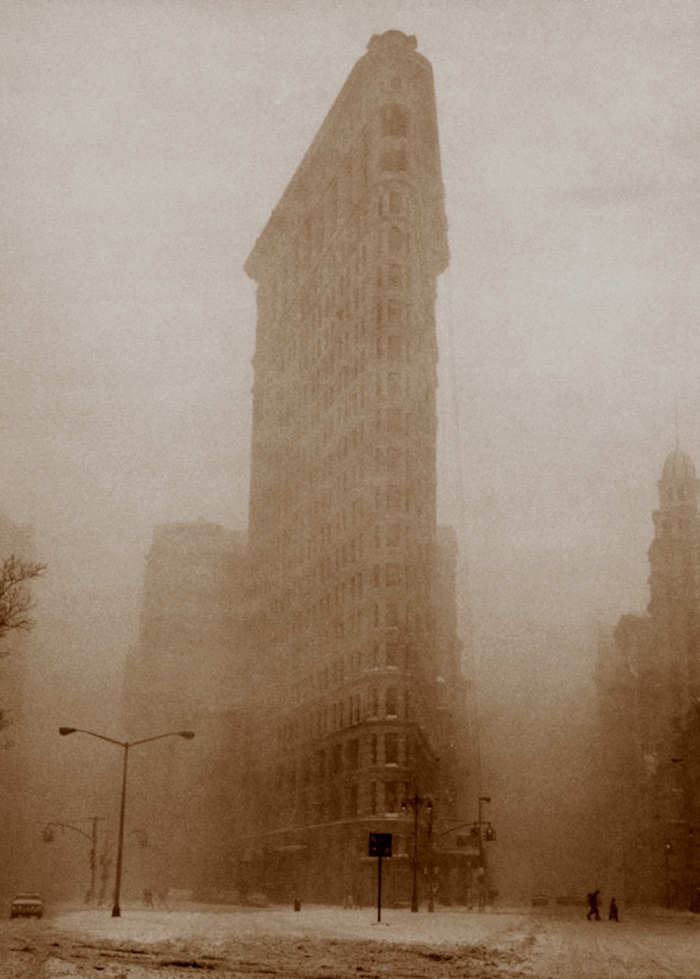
352 645
182 675
181 666
648 684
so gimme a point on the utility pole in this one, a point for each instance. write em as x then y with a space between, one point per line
484 831
415 802
431 863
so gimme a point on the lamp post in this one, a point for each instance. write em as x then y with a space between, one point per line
431 862
116 910
668 850
48 837
416 802
482 854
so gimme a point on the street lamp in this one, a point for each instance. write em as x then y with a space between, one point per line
416 802
116 910
482 854
668 850
48 837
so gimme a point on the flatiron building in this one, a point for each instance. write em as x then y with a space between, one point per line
351 649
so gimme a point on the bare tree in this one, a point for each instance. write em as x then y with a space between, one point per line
15 604
15 594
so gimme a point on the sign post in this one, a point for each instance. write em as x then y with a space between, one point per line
379 846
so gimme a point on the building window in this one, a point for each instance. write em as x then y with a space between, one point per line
396 239
352 751
352 800
394 348
394 421
333 205
393 574
394 121
393 654
397 204
391 749
393 458
392 615
393 311
391 701
373 749
373 797
394 535
393 496
391 797
366 152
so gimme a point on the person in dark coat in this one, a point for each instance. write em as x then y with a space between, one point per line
593 906
612 914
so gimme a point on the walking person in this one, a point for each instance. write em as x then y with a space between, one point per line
612 914
593 911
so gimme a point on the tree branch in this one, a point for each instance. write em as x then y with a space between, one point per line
15 595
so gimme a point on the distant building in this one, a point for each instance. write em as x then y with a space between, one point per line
180 667
353 648
648 682
182 676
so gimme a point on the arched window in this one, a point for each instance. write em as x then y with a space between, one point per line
396 239
397 204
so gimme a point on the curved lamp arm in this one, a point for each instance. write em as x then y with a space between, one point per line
126 744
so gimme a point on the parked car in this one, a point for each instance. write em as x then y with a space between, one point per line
28 905
540 901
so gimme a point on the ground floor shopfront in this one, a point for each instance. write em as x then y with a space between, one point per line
332 864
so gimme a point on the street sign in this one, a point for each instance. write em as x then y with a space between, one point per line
380 844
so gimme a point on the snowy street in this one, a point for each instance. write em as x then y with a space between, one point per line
329 943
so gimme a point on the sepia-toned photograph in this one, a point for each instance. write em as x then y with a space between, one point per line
349 509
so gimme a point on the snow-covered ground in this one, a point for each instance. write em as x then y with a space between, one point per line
329 943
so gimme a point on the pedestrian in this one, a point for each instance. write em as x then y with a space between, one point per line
612 914
592 899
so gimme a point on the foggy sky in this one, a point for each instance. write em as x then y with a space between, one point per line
145 143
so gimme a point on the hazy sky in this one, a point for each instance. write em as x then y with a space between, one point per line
145 143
